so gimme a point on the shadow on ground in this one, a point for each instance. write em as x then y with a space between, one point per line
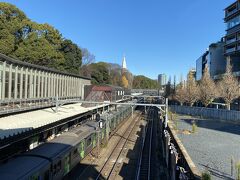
215 125
217 173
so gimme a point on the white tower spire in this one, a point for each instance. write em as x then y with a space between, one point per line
124 64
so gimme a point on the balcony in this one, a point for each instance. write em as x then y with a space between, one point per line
229 41
231 12
230 50
233 8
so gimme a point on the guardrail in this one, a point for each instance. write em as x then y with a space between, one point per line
15 106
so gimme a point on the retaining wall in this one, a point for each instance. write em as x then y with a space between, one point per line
221 114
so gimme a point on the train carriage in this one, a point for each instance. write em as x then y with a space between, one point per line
55 159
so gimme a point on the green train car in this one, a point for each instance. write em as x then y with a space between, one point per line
55 159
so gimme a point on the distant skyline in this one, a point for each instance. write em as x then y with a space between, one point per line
155 36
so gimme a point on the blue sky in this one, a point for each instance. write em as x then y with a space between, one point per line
157 36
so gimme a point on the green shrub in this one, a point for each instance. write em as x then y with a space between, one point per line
206 175
238 170
194 127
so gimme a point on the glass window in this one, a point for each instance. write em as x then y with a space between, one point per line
13 85
36 90
75 151
66 165
6 83
57 168
89 141
28 86
233 22
18 85
23 86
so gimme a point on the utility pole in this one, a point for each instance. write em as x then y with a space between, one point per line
98 144
166 113
132 112
107 129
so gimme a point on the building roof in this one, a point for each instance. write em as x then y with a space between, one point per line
19 123
106 87
30 164
101 88
22 63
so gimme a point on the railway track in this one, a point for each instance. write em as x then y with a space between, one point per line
108 169
145 166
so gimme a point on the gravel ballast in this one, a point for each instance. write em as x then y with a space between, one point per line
212 146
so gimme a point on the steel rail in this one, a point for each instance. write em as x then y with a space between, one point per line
144 145
126 140
106 162
86 168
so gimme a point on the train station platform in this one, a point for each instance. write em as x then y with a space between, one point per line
24 131
20 123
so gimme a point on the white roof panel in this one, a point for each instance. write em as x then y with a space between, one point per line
19 123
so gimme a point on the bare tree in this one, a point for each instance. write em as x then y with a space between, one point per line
207 88
191 90
180 93
228 87
87 59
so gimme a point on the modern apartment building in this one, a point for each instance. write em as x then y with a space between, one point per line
232 38
201 64
214 58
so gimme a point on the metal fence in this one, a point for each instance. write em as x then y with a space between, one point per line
221 114
177 160
14 106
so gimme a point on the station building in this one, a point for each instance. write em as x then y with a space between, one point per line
26 86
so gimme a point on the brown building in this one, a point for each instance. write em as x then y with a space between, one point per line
103 93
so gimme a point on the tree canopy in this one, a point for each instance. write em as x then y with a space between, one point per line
73 56
99 73
42 44
35 43
142 82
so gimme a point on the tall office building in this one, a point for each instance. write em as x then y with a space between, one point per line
162 79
